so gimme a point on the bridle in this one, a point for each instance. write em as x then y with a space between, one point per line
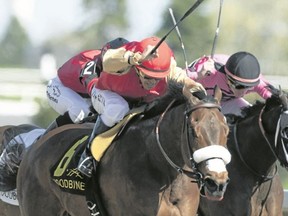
263 132
279 129
264 178
195 173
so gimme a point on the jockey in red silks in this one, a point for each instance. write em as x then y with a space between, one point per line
236 75
121 74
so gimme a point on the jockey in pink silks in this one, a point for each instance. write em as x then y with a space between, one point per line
236 75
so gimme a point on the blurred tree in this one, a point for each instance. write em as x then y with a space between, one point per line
197 31
14 45
252 26
105 21
46 114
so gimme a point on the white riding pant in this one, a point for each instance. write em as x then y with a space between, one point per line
111 106
27 138
63 99
234 106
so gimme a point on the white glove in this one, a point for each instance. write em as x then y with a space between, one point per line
206 69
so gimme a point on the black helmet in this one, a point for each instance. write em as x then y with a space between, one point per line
114 44
243 68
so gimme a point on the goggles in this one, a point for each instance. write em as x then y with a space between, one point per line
238 86
141 74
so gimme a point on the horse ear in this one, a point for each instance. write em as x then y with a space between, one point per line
188 93
284 99
217 94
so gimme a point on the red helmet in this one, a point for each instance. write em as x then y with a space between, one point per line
158 67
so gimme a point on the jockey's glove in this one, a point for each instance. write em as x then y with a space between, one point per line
206 69
138 57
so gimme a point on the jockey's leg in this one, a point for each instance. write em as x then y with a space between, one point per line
9 163
111 108
85 165
59 121
12 156
71 106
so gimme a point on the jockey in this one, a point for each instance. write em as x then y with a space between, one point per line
10 158
236 75
119 76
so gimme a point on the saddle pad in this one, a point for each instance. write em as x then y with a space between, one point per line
65 173
101 143
9 197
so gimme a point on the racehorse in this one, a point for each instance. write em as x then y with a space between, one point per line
8 202
177 135
256 141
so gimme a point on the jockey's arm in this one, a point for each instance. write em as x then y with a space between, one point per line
116 60
180 75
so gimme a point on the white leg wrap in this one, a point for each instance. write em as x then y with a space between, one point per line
213 151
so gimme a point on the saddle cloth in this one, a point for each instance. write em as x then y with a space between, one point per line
101 142
9 197
65 172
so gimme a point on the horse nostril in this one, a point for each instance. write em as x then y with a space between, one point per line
212 186
209 183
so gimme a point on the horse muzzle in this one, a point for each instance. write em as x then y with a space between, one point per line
216 178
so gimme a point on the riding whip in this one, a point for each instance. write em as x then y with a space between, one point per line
217 30
188 12
180 38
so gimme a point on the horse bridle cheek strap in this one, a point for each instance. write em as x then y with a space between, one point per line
285 113
194 173
264 178
281 126
191 174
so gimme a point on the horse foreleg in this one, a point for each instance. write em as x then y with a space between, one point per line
181 198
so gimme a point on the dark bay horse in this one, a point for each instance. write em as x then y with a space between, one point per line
256 142
177 135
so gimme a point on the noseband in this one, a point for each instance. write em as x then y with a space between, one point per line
195 173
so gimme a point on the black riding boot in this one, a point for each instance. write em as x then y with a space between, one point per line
59 121
9 163
85 165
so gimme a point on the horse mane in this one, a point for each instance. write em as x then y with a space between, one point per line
174 92
257 106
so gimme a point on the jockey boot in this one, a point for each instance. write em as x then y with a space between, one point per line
85 165
59 121
9 163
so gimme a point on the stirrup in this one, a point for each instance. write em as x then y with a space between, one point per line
85 166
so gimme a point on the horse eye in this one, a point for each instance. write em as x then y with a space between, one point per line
195 120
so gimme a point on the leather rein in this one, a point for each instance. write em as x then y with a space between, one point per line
195 173
263 132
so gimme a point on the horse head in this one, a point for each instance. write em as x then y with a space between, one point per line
208 131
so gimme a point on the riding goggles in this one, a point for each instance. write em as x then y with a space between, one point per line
141 74
238 86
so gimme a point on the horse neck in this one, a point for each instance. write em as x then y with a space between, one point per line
253 146
172 138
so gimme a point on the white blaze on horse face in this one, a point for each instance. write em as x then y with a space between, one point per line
213 151
216 165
